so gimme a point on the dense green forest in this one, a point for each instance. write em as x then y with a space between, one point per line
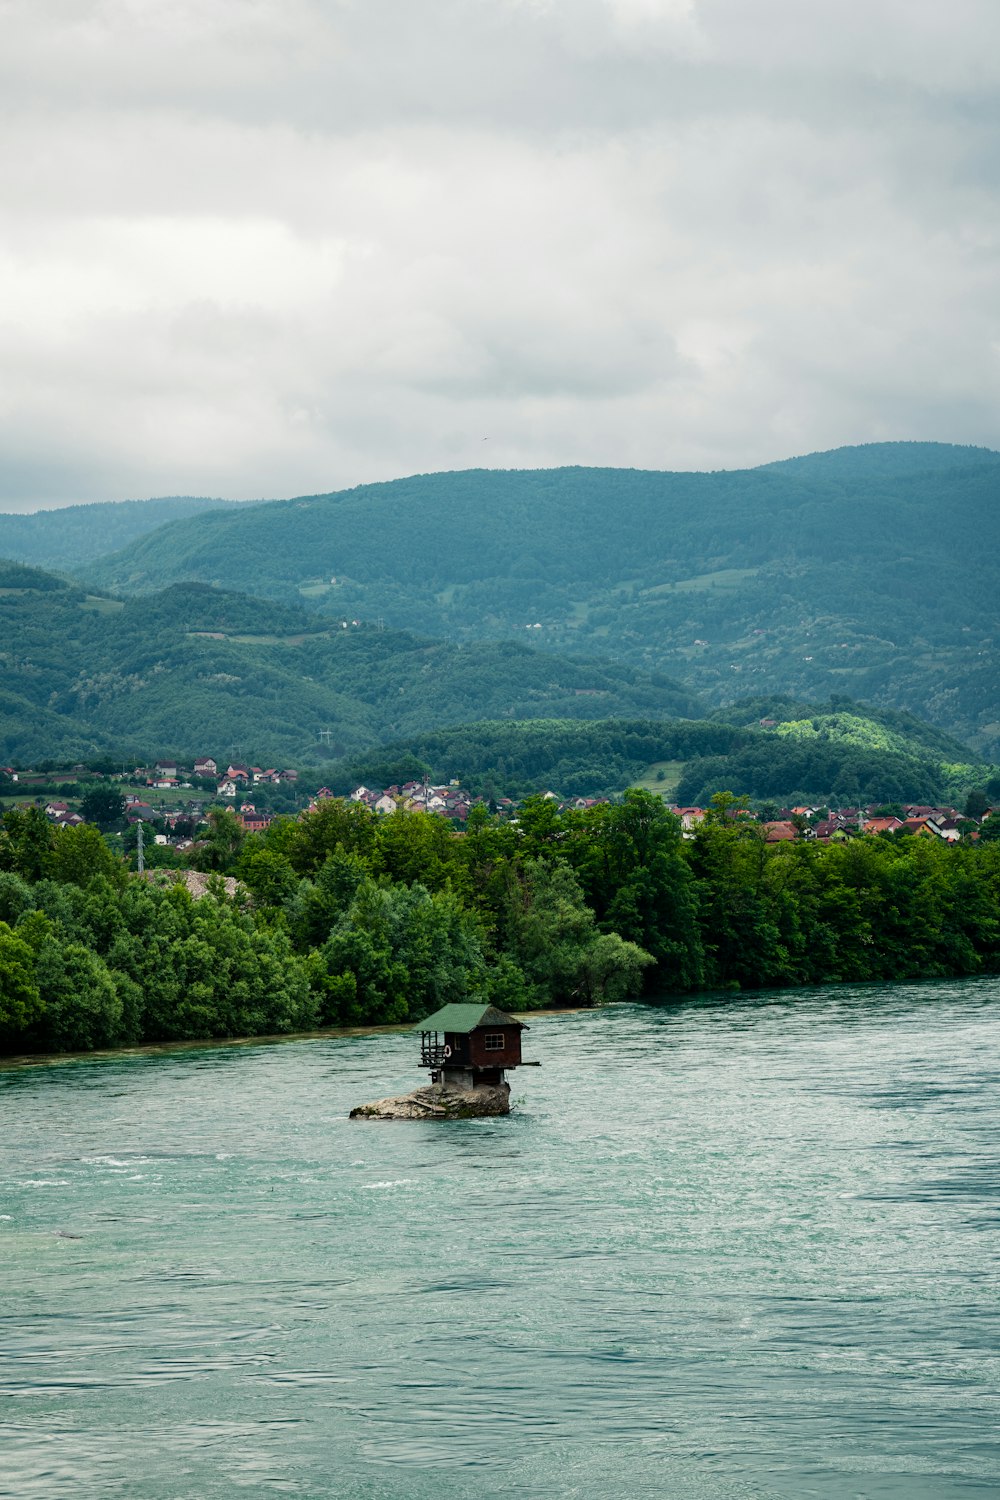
515 759
840 751
191 670
68 538
867 571
342 918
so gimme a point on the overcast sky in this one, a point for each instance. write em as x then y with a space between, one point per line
265 247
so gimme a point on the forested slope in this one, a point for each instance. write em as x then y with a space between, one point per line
868 571
191 669
852 754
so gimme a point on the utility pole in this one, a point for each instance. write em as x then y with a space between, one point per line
141 864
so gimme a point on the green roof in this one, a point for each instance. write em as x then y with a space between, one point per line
465 1018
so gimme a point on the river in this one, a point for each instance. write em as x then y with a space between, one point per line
721 1249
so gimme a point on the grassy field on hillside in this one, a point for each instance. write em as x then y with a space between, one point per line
664 785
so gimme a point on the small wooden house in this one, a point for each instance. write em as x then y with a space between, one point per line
470 1044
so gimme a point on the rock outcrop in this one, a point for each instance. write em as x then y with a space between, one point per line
196 881
438 1101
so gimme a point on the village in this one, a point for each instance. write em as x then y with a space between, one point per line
816 823
154 796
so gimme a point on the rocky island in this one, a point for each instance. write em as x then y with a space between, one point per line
467 1048
440 1101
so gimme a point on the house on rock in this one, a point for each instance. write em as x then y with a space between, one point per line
469 1046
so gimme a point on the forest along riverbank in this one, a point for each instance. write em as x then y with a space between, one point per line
343 918
719 1246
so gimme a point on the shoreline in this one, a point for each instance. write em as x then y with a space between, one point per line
158 1049
20 1061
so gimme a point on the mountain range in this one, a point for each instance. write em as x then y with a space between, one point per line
869 572
76 535
531 601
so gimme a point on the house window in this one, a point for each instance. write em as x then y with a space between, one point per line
494 1041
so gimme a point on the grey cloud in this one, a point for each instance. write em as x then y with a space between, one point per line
343 66
259 248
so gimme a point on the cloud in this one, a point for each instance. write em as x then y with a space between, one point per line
254 248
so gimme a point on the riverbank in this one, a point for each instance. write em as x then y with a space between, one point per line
214 1044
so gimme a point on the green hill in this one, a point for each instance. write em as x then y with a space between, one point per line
869 572
850 752
77 534
845 722
191 669
904 760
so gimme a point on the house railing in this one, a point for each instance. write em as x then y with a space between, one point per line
433 1053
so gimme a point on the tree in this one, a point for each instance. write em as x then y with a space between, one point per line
21 1004
550 933
28 845
15 897
317 906
418 846
976 803
225 839
539 825
399 953
104 806
83 1009
335 824
636 876
742 944
612 969
267 874
80 853
487 849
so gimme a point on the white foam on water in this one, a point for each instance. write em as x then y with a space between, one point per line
115 1161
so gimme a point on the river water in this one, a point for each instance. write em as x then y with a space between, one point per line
721 1249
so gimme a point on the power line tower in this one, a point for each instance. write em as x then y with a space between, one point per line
325 736
140 861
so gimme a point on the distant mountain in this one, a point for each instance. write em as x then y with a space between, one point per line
78 534
192 671
868 571
867 461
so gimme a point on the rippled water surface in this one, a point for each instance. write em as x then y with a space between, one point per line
729 1249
